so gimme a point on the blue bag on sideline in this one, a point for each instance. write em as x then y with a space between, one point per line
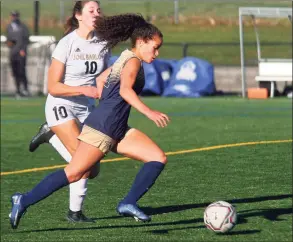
165 69
153 81
192 77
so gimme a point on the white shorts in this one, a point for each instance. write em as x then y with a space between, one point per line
58 112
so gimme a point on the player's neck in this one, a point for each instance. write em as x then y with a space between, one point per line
136 52
85 33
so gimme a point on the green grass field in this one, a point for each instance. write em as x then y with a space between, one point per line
230 149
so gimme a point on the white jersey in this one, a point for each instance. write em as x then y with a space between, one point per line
83 63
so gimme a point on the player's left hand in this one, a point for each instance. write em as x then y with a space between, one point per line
22 53
160 119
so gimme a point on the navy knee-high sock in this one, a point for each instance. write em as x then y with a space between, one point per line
46 187
144 180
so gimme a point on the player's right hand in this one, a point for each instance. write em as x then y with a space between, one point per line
90 92
160 119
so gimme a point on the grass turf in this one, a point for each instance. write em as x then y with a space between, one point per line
256 178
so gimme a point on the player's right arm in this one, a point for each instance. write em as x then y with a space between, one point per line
57 88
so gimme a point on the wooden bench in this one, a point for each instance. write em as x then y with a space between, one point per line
274 70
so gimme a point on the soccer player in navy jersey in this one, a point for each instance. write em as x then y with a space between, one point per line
106 128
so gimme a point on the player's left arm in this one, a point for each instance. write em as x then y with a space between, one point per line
128 78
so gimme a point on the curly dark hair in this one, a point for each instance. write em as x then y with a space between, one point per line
72 22
119 28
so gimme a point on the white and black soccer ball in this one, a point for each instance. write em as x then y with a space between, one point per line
220 217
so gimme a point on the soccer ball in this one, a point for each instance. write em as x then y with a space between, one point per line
220 217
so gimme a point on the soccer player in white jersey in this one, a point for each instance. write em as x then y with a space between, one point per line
76 62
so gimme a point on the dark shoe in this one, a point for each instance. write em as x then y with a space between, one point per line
43 136
26 93
17 210
78 217
131 210
19 96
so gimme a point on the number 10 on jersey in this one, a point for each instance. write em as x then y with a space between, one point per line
91 67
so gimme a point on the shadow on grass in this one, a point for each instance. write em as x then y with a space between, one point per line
270 214
176 208
166 231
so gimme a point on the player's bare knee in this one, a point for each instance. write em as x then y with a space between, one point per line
161 157
164 159
73 176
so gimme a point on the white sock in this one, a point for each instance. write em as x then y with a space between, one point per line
61 149
77 194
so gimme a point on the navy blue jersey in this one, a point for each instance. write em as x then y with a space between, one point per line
111 115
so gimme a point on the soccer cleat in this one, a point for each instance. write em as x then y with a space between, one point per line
20 96
131 210
17 210
26 93
43 136
78 217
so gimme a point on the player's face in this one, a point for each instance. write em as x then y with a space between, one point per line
149 50
89 14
